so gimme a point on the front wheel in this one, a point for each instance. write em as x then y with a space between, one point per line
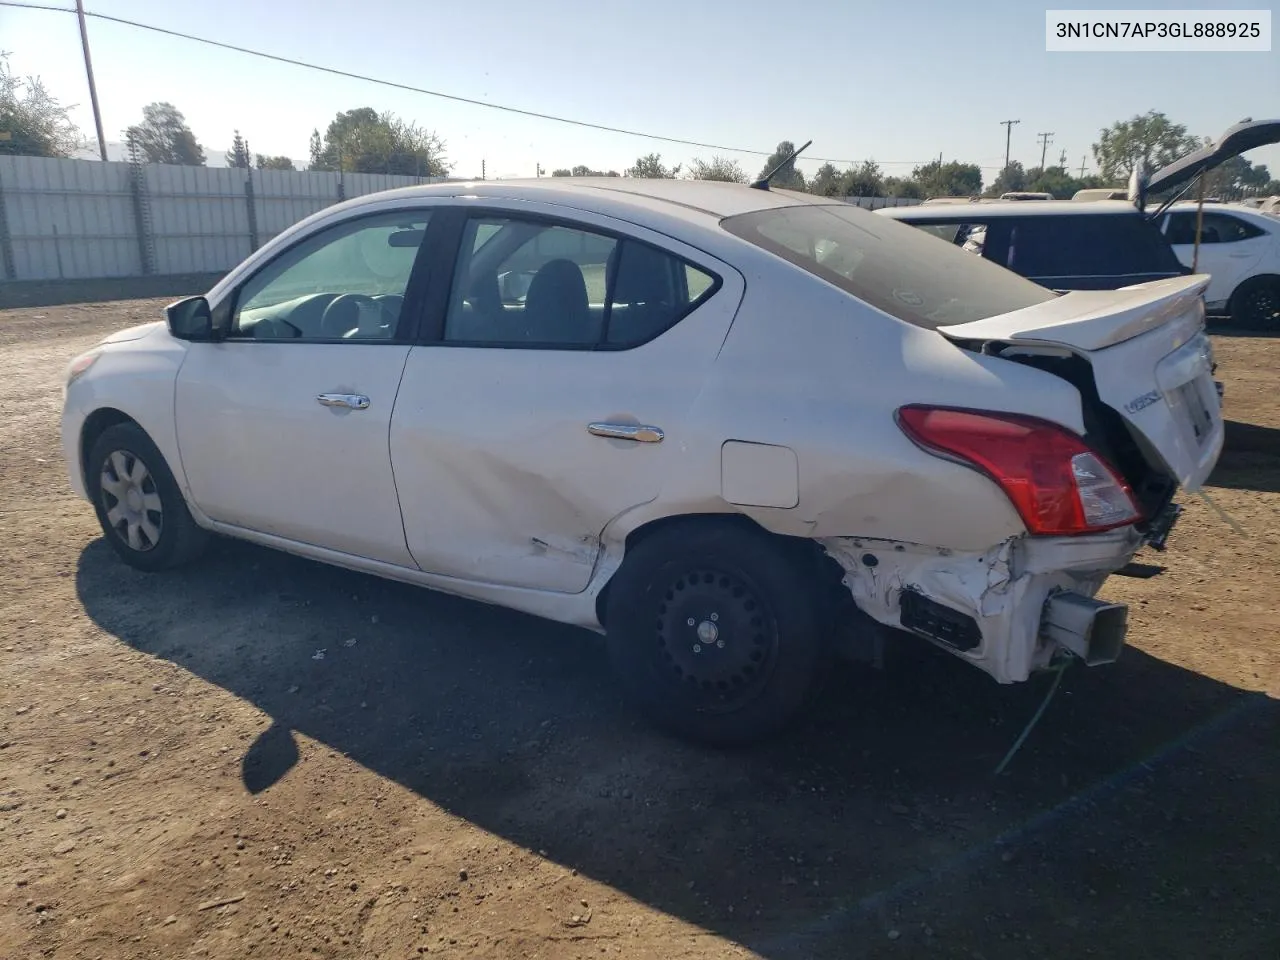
1256 305
142 512
714 631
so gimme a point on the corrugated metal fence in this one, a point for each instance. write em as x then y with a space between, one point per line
80 219
74 219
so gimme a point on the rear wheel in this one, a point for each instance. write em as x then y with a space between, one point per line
714 630
1256 304
142 512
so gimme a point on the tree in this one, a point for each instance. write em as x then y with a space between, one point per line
1257 177
651 168
37 124
864 180
238 155
950 179
787 178
907 187
164 137
1235 178
582 171
1054 180
1149 137
828 181
718 168
274 163
365 141
315 151
1011 178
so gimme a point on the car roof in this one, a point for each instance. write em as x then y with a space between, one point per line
1012 208
694 201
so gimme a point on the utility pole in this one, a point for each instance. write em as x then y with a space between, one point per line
538 167
482 170
1082 160
1045 140
1062 159
1008 134
93 89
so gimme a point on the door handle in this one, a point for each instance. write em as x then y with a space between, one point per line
352 401
626 431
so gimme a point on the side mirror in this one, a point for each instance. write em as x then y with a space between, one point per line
190 319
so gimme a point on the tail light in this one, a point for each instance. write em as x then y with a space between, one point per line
1055 481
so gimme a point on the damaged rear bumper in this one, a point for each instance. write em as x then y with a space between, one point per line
1007 610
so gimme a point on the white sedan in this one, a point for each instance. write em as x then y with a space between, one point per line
1240 250
711 421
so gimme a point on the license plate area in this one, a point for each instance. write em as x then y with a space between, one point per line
1190 400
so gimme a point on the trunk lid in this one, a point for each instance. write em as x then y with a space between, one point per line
1150 358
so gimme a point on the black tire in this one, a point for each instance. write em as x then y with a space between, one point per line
1256 305
737 680
162 538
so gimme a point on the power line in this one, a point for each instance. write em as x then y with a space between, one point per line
432 93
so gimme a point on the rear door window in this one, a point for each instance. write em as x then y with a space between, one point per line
1089 251
527 282
1217 228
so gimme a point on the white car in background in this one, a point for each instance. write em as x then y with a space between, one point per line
1240 250
715 422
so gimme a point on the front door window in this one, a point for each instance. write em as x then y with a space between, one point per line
345 283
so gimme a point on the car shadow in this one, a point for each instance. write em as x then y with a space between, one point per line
880 812
1250 458
1223 328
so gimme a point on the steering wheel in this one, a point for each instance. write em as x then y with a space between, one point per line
342 314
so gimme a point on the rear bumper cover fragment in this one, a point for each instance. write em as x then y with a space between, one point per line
1006 591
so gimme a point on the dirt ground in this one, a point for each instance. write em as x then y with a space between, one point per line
263 757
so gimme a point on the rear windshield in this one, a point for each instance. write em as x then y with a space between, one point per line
901 270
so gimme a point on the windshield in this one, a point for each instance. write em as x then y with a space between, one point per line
896 268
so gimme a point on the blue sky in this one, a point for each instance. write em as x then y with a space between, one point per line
895 82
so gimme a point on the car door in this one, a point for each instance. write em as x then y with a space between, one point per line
551 394
283 425
1230 248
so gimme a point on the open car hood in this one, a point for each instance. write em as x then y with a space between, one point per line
1237 139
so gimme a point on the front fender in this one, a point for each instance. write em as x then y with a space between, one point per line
136 379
